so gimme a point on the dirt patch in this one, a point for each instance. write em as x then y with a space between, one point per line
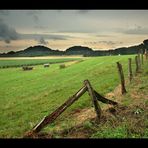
115 94
83 115
113 116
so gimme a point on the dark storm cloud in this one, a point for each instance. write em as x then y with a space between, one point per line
42 41
7 33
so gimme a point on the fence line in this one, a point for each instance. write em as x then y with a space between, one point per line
94 95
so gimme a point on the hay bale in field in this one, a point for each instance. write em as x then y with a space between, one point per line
27 68
62 66
46 65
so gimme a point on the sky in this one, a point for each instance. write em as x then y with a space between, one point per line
61 29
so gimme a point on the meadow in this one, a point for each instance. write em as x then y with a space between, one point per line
27 96
7 63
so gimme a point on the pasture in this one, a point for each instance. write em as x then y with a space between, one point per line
27 96
18 62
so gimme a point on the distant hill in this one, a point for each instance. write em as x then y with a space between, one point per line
33 51
75 50
78 50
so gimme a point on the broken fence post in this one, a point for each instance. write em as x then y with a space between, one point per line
103 99
94 99
120 70
51 117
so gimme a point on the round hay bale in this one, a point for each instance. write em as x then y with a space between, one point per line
62 66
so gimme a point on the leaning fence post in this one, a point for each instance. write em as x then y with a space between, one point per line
130 74
120 70
94 99
137 65
51 117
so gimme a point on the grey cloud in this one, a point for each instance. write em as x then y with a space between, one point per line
104 35
4 12
59 11
42 41
108 42
7 33
83 11
139 30
82 30
45 36
34 14
40 27
35 18
103 42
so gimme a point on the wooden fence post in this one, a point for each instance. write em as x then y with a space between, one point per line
139 61
145 53
130 74
137 65
94 99
120 70
142 56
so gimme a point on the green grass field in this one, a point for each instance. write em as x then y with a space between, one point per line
27 96
30 62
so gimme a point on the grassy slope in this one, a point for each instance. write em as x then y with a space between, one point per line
130 120
25 97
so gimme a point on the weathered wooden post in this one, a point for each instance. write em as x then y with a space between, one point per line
146 55
94 99
130 74
141 51
137 65
103 99
139 61
120 70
